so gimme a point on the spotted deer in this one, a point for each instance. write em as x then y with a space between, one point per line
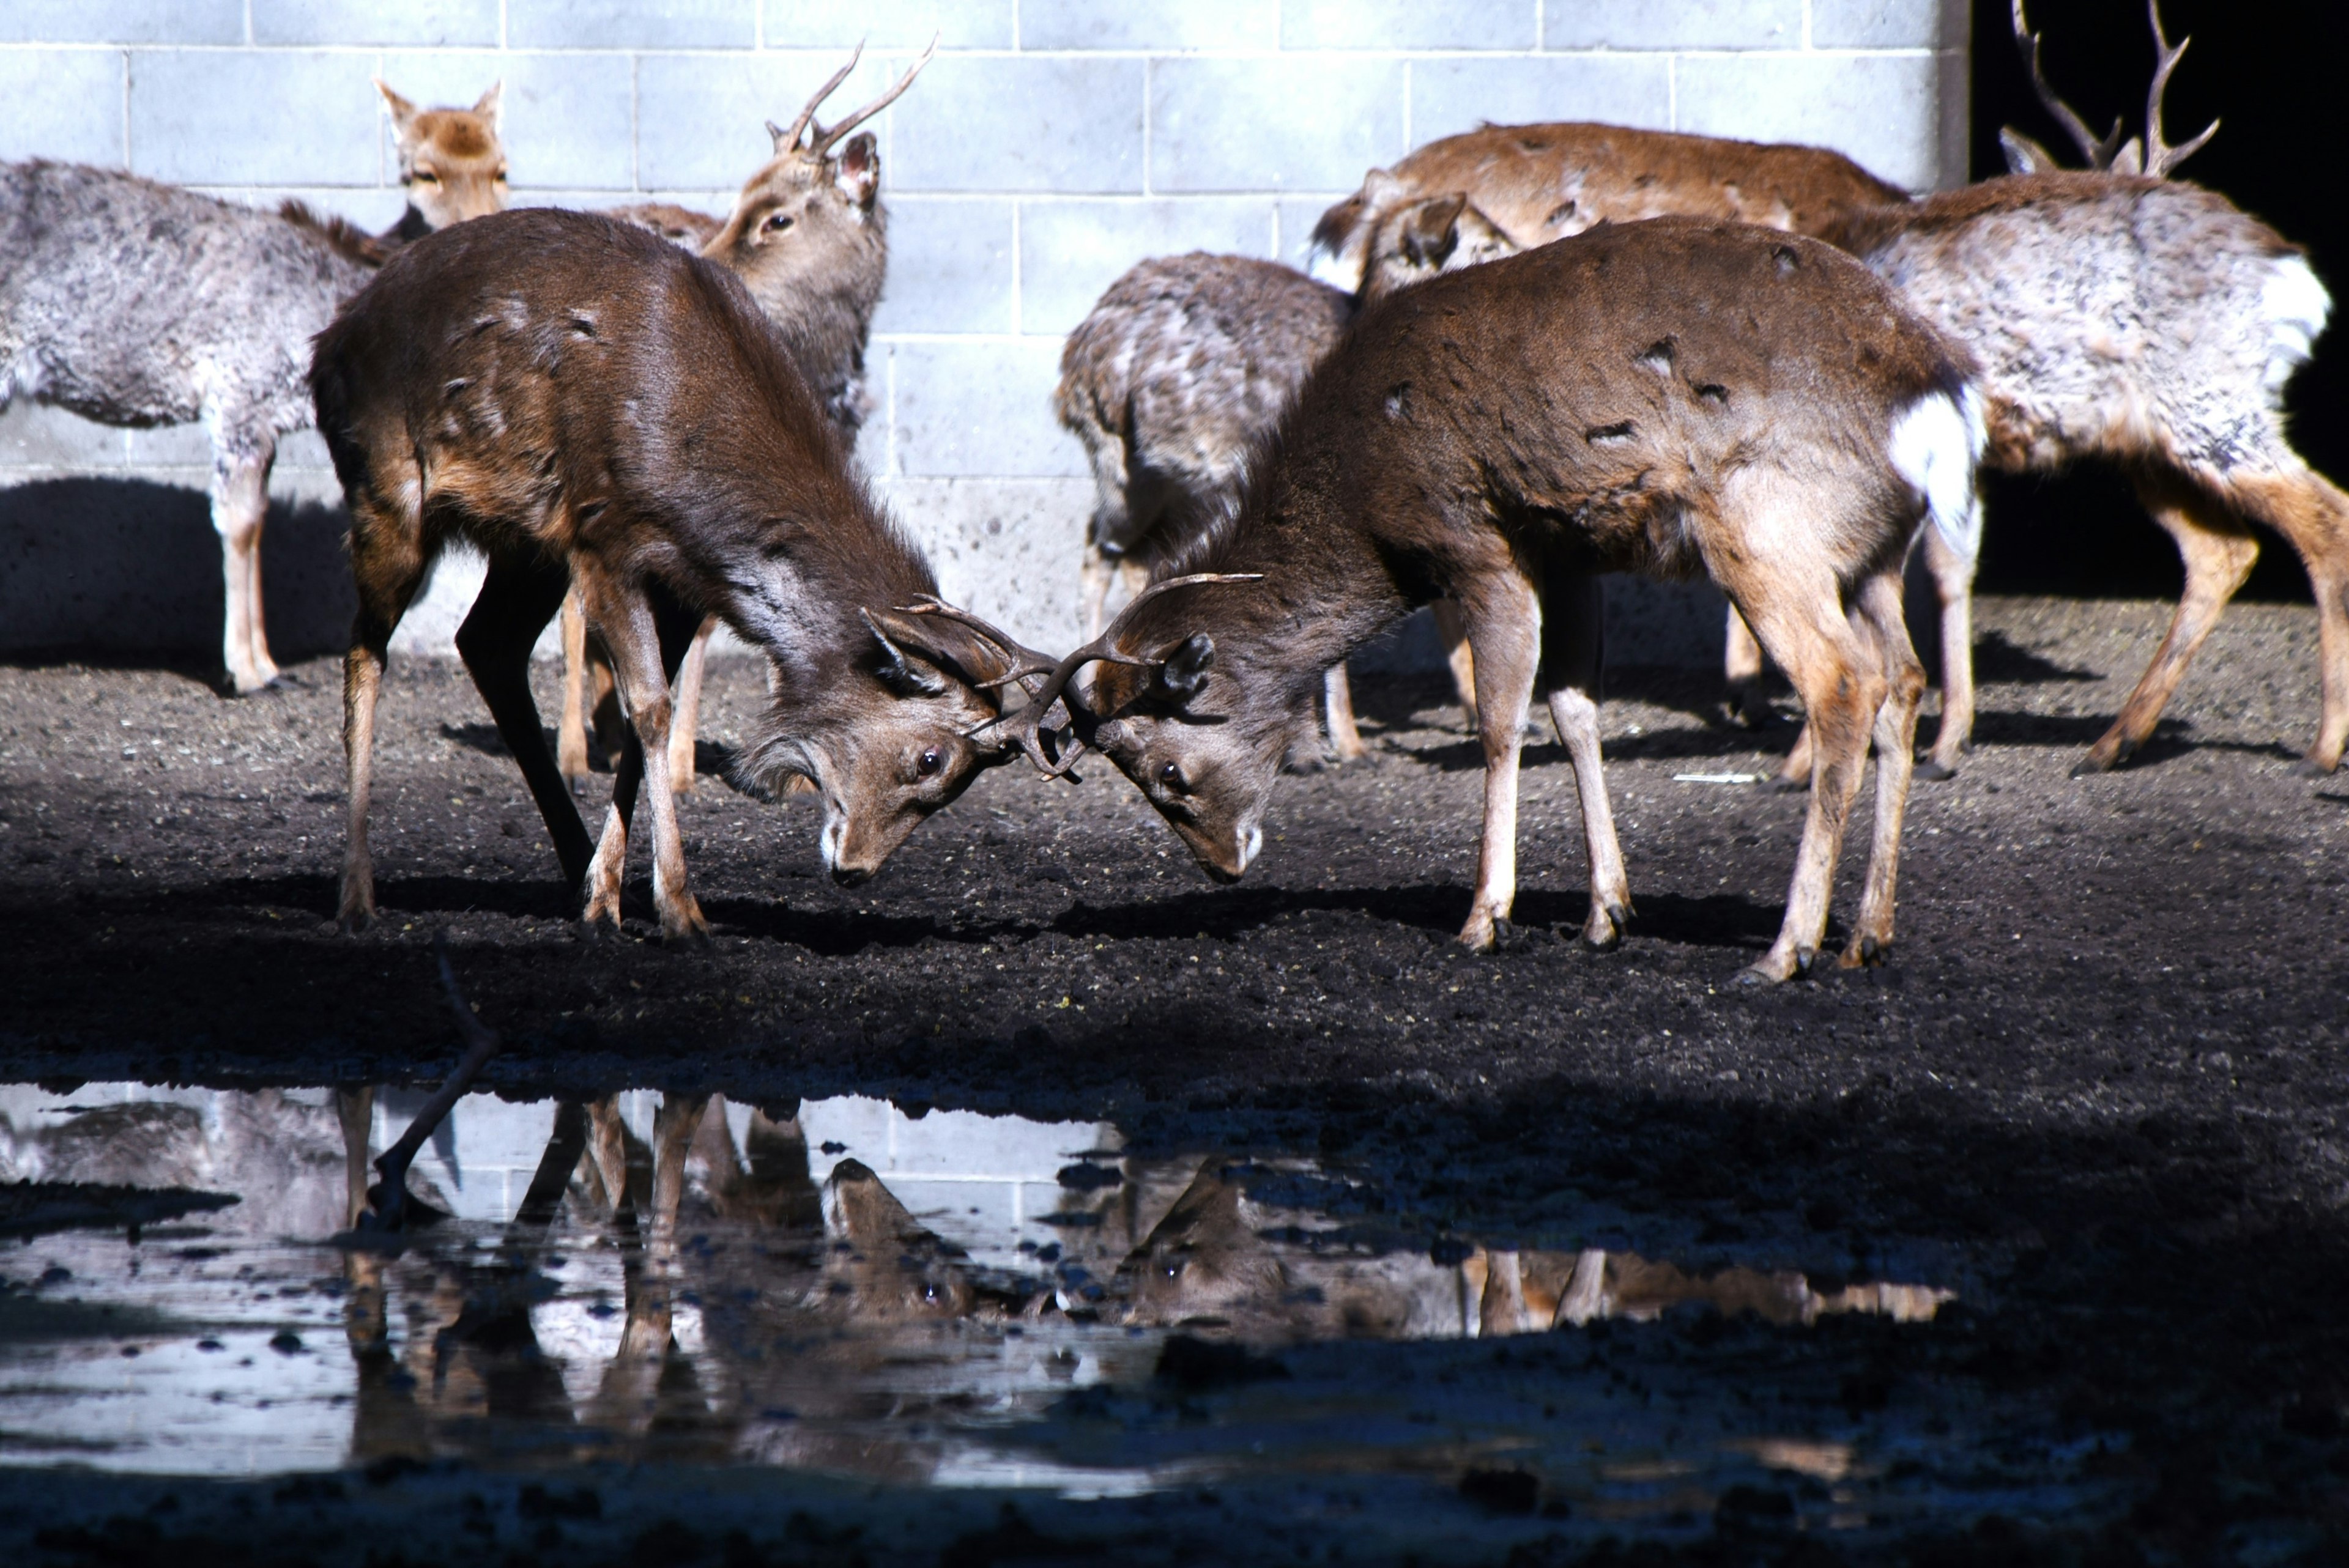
134 304
809 237
1673 397
1186 362
586 403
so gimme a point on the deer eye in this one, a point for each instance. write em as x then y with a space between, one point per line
930 761
426 175
499 176
1171 775
779 222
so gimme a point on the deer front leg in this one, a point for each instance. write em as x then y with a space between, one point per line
688 722
571 724
1505 629
1338 713
627 623
240 507
1573 653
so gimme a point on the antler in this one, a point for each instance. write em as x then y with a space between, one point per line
2099 153
1026 660
825 138
1024 727
790 138
2160 158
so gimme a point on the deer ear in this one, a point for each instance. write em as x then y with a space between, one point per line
490 106
1380 189
905 668
403 113
1184 673
2023 156
1430 230
858 173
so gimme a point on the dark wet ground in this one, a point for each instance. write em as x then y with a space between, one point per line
2097 1096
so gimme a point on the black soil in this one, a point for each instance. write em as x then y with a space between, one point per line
2107 1065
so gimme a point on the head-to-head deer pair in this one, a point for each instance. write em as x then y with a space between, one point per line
585 402
1670 398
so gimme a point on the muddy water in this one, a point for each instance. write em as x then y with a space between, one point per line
945 1299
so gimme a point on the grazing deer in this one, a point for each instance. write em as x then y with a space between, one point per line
809 238
1186 362
586 403
1669 397
136 304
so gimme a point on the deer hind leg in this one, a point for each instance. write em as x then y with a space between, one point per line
388 568
1450 630
1953 587
647 642
1742 666
355 1111
1337 714
2307 509
518 598
1504 628
1878 619
2218 552
570 724
689 709
240 506
1573 656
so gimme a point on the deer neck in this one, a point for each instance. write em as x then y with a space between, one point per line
1327 589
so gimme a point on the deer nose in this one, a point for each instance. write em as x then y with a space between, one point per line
851 876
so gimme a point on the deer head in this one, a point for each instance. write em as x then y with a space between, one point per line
1419 239
809 223
450 160
2153 156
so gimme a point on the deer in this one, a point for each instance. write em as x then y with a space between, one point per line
1186 361
809 236
136 304
586 403
1699 396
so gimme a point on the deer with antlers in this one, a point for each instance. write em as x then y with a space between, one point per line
586 403
809 237
136 304
1671 398
1186 363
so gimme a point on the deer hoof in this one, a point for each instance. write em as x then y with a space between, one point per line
351 922
1483 934
1865 953
1602 938
1761 971
686 927
1786 784
1934 772
2310 768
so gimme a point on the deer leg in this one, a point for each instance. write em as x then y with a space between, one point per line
689 709
1573 654
1452 631
2312 515
570 724
240 506
1953 586
1802 627
387 567
517 599
1338 712
646 645
1505 629
354 1110
2218 552
1880 620
1741 664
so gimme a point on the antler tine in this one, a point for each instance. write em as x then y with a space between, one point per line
825 138
1031 662
2099 153
2160 158
1025 726
790 138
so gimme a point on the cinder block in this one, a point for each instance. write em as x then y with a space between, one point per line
1405 25
1877 110
977 409
429 22
62 103
701 119
1298 214
1312 123
238 117
38 436
1886 24
122 22
1679 25
567 121
305 452
1071 251
631 24
1061 125
889 24
1448 96
950 266
1148 25
1007 549
168 447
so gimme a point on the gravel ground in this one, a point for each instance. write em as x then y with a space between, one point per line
2108 1064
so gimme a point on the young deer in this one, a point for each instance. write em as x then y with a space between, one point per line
451 161
1186 363
586 403
136 304
1669 397
809 238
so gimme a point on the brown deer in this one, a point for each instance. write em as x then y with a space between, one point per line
809 237
1670 397
451 161
1186 362
586 403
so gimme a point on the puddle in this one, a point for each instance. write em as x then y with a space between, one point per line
949 1299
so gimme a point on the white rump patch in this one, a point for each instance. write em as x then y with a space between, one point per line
2295 307
1936 442
1341 273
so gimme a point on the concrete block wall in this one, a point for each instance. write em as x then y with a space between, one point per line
1051 145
